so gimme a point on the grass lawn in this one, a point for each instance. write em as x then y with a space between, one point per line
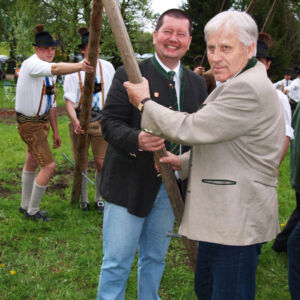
61 259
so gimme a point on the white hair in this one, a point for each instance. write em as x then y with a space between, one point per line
242 22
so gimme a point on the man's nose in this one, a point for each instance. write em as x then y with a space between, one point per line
173 36
216 56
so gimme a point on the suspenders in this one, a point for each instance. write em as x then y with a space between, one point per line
44 93
81 87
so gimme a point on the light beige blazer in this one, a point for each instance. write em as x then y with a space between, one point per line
238 136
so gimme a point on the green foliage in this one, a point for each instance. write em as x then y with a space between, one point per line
62 18
284 28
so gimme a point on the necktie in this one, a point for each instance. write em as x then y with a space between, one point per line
175 148
171 75
96 100
49 103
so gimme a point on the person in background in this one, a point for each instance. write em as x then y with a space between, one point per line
138 213
197 63
291 231
293 90
286 81
262 54
73 96
281 242
36 113
237 139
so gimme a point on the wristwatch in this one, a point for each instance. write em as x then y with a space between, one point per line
141 104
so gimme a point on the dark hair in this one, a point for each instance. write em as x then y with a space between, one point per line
197 61
176 13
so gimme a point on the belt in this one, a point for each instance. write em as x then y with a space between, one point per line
35 119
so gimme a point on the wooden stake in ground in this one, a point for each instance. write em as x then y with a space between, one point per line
93 53
134 76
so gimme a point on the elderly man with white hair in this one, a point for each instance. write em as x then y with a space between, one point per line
237 138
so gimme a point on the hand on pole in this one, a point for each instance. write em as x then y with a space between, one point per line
149 142
171 159
86 66
137 91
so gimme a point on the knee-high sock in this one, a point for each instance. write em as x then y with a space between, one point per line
84 195
97 187
36 196
27 185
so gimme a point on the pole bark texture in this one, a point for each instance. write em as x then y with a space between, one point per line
134 75
93 53
270 14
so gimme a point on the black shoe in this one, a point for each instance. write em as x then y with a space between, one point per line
99 205
22 210
40 215
84 206
280 245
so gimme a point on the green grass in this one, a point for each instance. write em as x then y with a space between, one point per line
61 259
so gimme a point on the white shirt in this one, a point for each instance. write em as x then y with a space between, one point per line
289 131
177 88
282 84
30 84
294 90
176 78
72 90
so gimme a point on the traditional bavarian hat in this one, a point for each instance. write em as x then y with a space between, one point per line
84 33
262 46
44 38
288 72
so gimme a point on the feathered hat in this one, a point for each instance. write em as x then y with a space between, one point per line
264 42
44 38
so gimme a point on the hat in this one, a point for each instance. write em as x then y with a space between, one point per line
44 38
288 72
84 33
262 50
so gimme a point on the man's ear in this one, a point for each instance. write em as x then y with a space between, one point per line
154 37
251 50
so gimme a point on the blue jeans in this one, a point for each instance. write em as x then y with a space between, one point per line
123 233
226 272
293 249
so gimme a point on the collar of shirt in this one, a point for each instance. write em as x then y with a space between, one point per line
176 77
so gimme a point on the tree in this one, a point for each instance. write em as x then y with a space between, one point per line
135 14
63 18
284 27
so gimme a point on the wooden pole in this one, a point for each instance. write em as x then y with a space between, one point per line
93 54
270 14
250 6
134 75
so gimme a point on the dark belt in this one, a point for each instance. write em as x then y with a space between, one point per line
35 119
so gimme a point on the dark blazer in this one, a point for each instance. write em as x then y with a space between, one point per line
129 178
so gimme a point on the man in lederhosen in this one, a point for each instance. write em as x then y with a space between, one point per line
36 112
73 95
